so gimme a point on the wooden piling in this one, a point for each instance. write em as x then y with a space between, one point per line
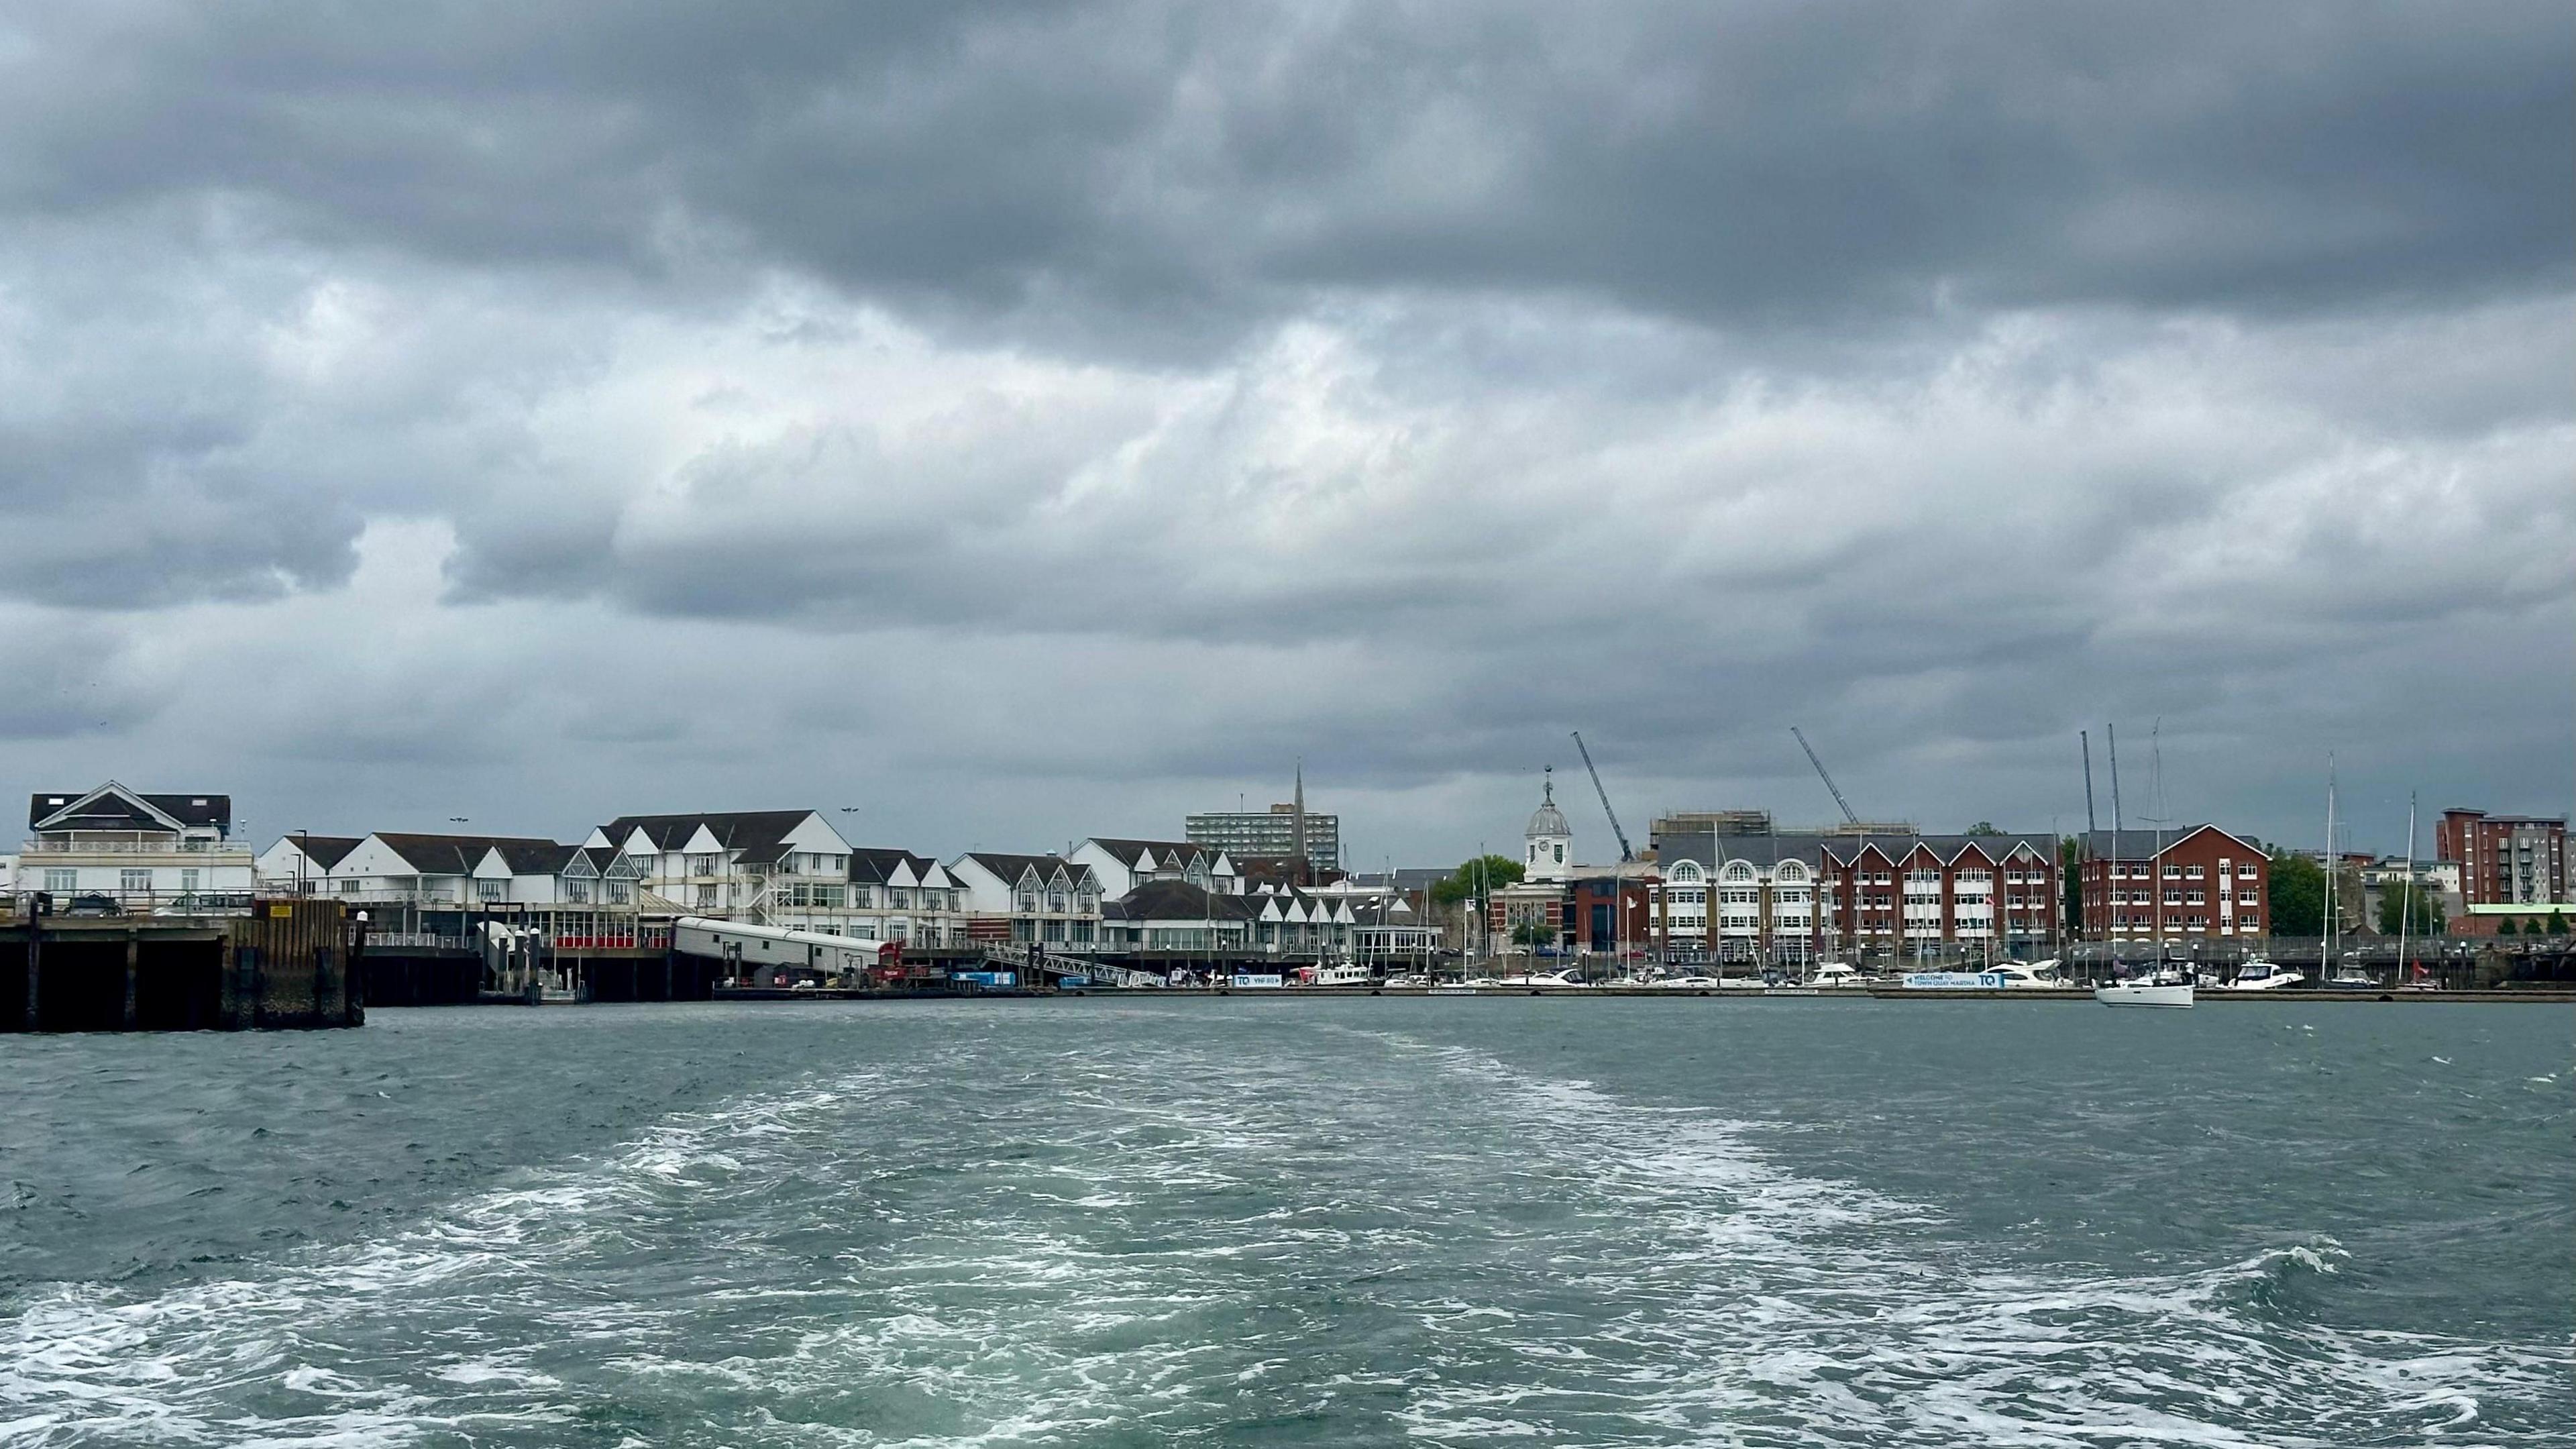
35 973
133 974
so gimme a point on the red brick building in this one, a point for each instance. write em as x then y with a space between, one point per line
2505 859
2139 885
1805 895
1928 891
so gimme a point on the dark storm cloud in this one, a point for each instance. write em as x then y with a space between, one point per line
1729 163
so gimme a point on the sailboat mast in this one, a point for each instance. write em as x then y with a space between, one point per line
2406 892
2111 732
2325 920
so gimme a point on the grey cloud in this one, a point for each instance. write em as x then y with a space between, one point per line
1131 166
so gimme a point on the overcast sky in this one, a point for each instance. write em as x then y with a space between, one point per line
1018 423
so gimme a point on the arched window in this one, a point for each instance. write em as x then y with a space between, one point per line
1685 873
1791 870
1739 871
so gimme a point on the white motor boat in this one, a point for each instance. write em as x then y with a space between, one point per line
1543 978
1836 973
2262 975
2164 988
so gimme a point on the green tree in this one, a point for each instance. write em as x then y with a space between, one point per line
2298 896
2557 924
2413 909
1985 827
2505 927
1531 933
1475 878
2070 882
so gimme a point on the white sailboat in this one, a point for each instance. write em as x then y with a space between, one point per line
2161 988
2164 986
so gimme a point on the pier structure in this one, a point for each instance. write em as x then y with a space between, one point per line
280 963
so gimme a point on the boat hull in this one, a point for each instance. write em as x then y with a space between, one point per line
2127 995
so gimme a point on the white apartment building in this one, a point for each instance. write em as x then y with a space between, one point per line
895 895
146 852
395 867
1123 865
786 868
300 864
1045 899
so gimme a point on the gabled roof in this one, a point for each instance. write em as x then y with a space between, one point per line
1167 854
2143 844
1948 849
1012 869
877 865
113 807
535 857
1406 878
1177 900
760 835
460 854
1385 911
325 851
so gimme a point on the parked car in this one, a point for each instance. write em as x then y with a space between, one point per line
94 905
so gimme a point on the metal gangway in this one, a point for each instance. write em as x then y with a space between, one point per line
1061 963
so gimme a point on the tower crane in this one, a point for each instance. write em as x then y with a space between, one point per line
1625 854
1848 816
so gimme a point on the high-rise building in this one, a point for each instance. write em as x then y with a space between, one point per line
1272 834
2505 859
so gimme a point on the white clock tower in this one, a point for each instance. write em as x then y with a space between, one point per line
1548 843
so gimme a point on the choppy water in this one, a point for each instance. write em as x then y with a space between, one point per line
1253 1222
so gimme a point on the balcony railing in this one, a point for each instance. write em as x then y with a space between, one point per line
162 845
136 903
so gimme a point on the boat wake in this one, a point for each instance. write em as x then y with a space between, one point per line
1370 1237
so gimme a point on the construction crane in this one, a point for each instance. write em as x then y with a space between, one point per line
1625 854
1821 775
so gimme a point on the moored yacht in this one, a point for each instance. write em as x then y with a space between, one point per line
2261 975
2161 988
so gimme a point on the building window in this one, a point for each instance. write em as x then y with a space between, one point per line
2245 872
62 882
706 897
577 891
188 881
490 890
2191 872
348 888
135 882
617 892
